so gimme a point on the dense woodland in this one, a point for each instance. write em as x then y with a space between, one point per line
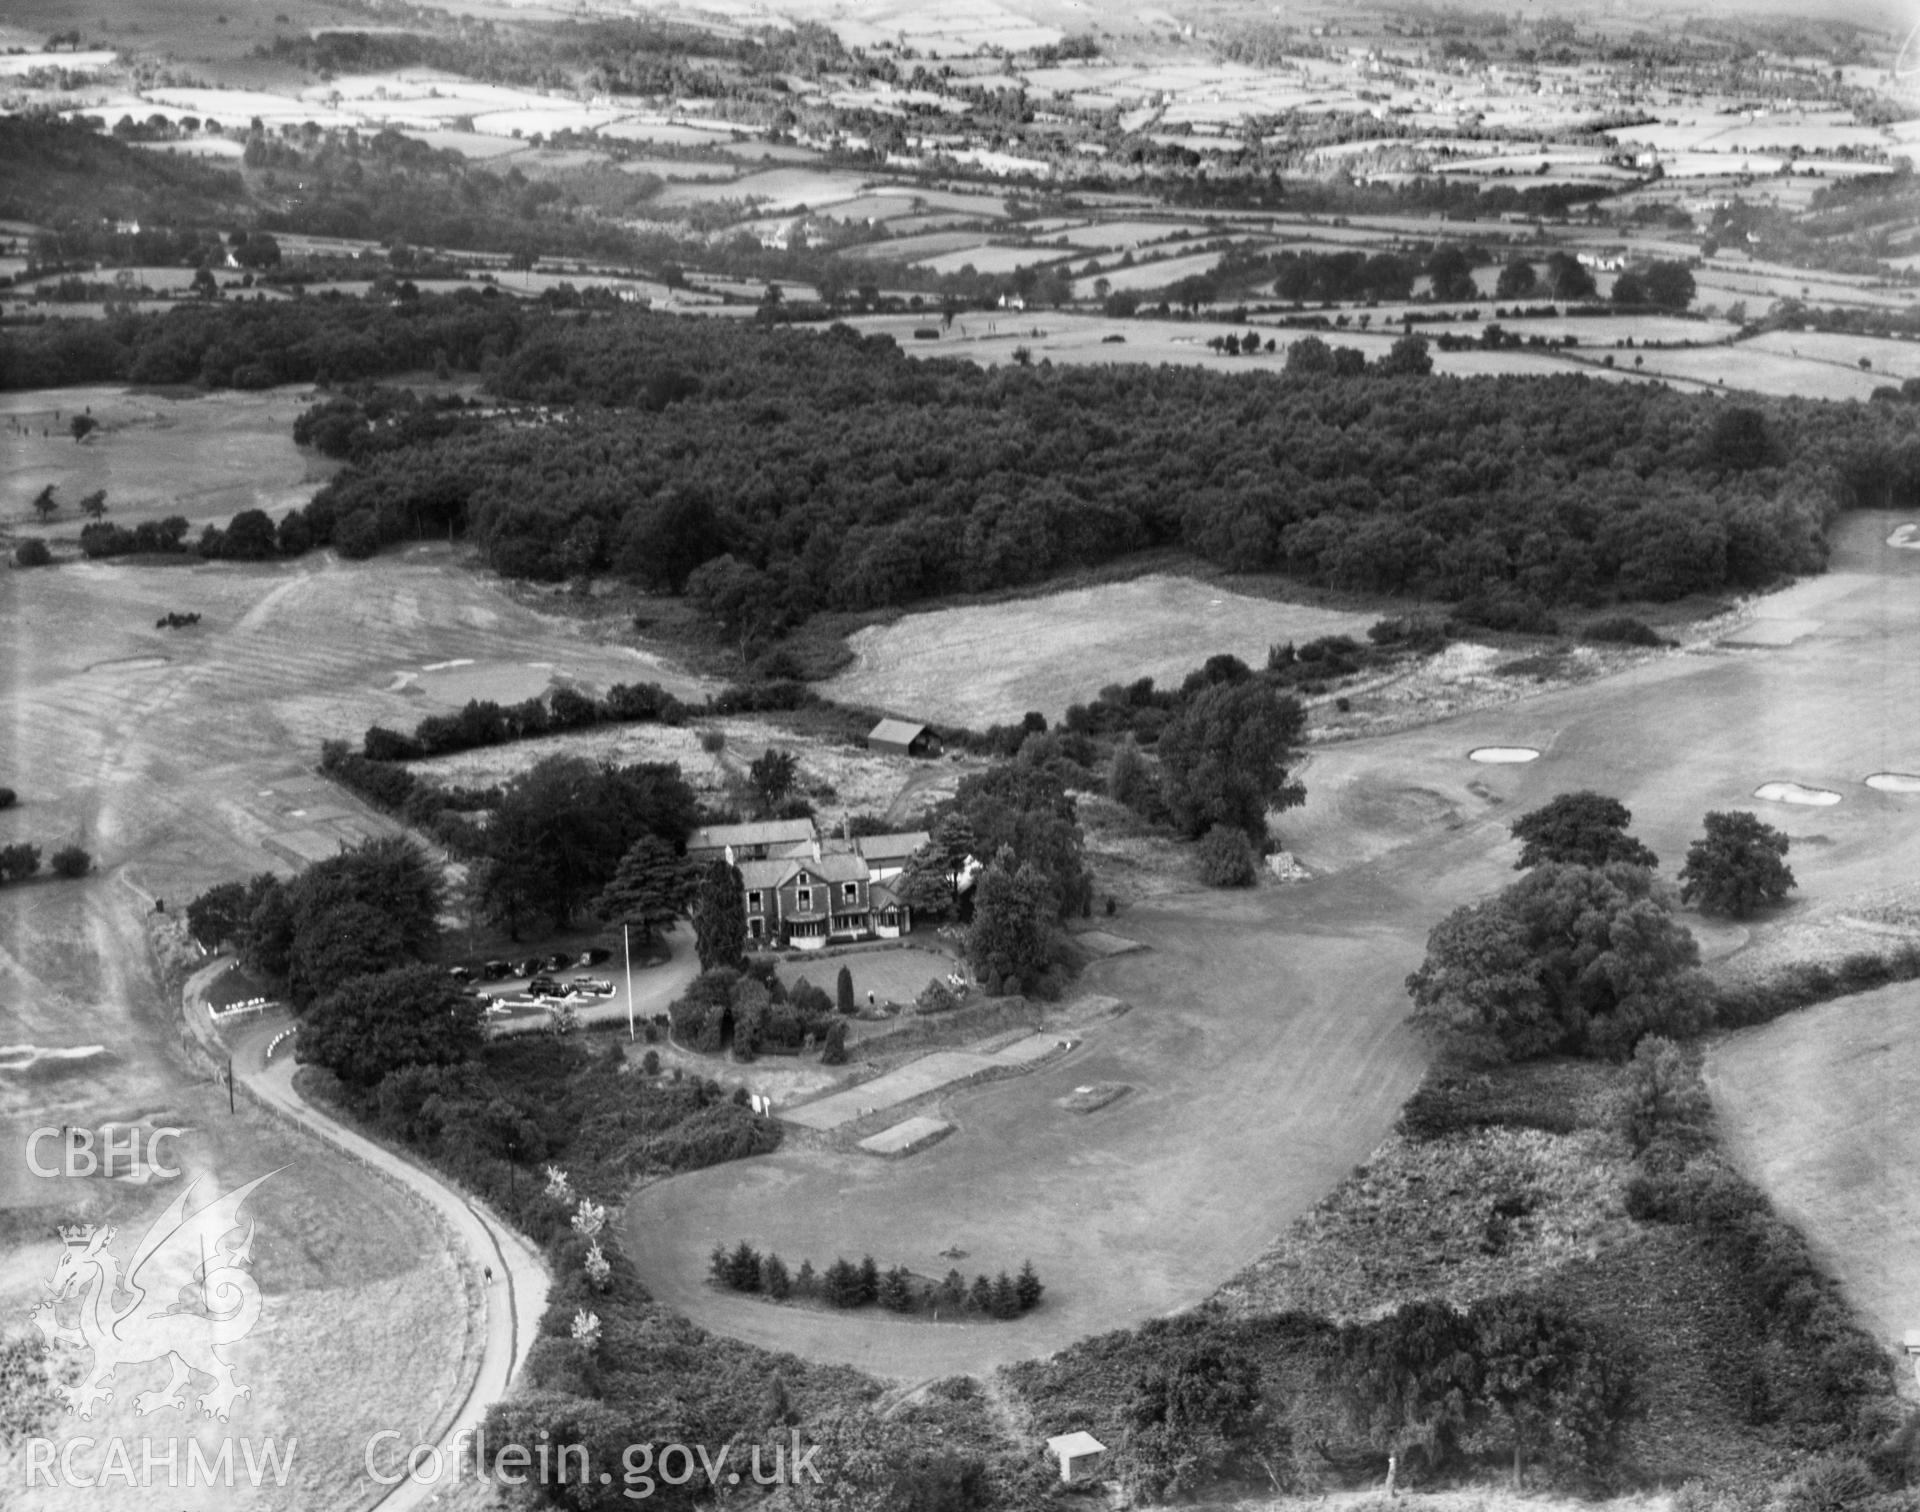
780 472
828 471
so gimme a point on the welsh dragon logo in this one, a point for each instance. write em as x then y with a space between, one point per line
184 1296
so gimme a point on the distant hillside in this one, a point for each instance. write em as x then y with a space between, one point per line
55 174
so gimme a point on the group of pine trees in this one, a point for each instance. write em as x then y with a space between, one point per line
845 1284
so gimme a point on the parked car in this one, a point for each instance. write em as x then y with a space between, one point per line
494 971
597 986
532 966
460 973
559 961
545 986
594 956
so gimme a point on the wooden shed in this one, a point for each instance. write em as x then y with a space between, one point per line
901 737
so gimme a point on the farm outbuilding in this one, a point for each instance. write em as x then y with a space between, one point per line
901 737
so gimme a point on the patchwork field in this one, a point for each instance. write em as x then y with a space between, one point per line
1783 363
991 663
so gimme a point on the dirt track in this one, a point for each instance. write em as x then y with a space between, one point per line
1267 1036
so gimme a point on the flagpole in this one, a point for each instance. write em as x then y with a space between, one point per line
626 939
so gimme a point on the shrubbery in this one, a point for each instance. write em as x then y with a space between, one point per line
1820 1367
936 997
753 1008
1804 983
1227 858
33 552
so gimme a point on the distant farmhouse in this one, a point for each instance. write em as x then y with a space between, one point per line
805 891
900 737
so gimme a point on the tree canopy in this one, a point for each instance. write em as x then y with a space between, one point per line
650 888
836 473
1568 958
1510 1378
1738 866
367 1026
1583 829
720 916
358 913
1020 808
1224 758
561 829
1015 938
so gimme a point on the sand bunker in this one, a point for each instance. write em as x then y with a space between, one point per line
1793 792
1894 782
1906 537
40 1062
1503 755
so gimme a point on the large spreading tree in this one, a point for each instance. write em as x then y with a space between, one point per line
1224 758
1021 807
561 829
363 911
1583 829
1569 958
367 1026
1738 866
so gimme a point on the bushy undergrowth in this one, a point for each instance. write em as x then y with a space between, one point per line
1581 1202
1557 1096
533 1101
1804 983
1460 1218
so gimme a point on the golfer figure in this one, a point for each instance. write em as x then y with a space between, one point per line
489 1275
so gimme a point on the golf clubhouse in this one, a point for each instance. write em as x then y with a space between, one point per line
803 891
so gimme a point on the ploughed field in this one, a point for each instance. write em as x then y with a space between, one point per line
1267 1045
